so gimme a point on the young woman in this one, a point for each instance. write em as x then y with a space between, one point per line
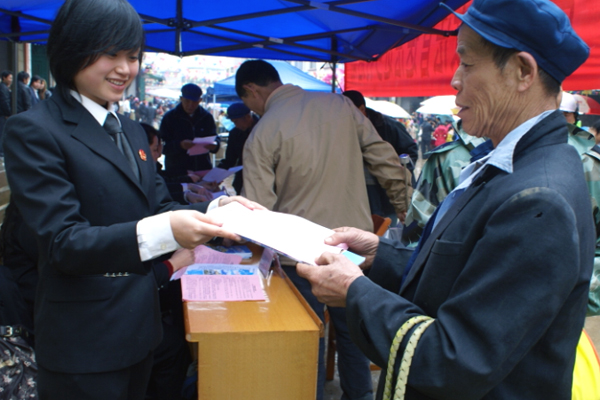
99 213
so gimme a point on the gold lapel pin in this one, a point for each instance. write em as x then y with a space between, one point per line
142 154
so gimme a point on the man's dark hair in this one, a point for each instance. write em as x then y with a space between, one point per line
84 30
357 98
22 76
5 74
151 132
35 78
259 72
501 55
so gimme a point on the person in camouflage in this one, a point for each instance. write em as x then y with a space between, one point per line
585 144
439 176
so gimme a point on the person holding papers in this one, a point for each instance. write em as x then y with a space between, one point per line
180 187
492 302
305 157
86 185
178 129
244 121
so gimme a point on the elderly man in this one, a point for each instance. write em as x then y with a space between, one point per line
499 285
305 157
180 126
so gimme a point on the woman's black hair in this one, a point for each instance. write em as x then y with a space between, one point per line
83 30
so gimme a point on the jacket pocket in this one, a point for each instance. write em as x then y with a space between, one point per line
77 289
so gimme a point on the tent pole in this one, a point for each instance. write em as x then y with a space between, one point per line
333 63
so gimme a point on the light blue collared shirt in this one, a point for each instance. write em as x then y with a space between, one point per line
501 157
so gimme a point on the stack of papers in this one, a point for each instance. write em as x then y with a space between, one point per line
218 276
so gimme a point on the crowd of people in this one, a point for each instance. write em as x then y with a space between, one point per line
484 295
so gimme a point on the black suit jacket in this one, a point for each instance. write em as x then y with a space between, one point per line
23 97
505 273
97 303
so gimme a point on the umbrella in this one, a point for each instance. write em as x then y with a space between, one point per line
587 105
387 108
439 105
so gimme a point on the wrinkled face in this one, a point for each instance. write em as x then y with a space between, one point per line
243 123
8 80
189 106
156 148
486 94
105 80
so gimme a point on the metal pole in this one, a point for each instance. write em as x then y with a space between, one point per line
15 68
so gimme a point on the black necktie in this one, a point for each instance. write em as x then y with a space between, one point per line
113 128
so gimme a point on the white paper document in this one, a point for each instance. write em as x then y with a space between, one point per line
200 144
290 235
219 174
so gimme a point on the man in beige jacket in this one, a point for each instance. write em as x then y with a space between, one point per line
305 157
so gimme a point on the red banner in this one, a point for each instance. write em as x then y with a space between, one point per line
425 66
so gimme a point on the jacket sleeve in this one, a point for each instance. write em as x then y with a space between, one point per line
259 167
233 152
511 287
5 106
382 162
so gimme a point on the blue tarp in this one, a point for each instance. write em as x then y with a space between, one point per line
328 30
288 74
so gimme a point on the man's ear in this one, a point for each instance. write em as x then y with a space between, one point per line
363 109
250 89
527 70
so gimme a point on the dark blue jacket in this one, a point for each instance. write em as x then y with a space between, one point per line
505 274
176 126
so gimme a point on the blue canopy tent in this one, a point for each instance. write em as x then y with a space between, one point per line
288 74
327 30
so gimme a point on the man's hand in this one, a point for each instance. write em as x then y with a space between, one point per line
200 190
360 242
331 279
186 144
192 228
212 186
195 178
401 216
182 258
242 200
192 197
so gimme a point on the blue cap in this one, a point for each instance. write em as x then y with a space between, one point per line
538 27
237 110
191 92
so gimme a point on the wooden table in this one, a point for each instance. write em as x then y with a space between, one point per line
256 349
